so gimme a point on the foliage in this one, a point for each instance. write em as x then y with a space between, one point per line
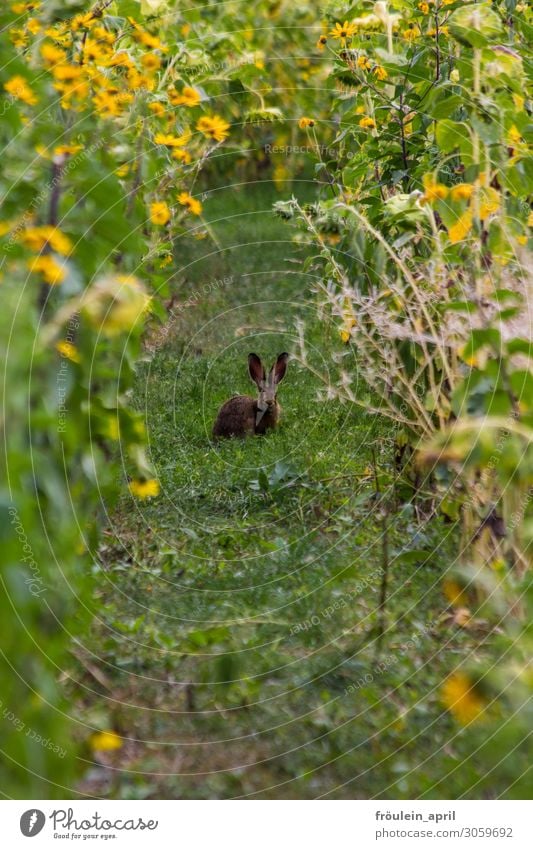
423 254
120 119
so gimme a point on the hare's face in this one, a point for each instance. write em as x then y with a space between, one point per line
267 384
267 395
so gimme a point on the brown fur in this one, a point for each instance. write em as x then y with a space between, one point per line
239 415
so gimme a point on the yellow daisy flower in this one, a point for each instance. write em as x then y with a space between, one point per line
144 488
188 97
52 272
214 127
192 204
69 351
433 190
19 88
105 741
462 191
461 698
343 31
159 213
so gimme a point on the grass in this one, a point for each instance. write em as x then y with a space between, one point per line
236 629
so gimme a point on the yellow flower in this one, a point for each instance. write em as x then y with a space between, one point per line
18 88
121 60
433 190
348 321
363 62
322 41
69 351
112 430
461 698
172 141
514 136
52 272
151 62
105 741
37 238
19 38
530 220
454 593
34 26
157 108
66 73
60 34
343 31
455 76
461 228
443 30
115 304
489 202
380 72
367 123
188 97
95 52
304 123
103 34
411 33
52 55
181 155
159 213
462 191
144 488
67 149
110 104
85 20
213 127
142 37
424 8
192 204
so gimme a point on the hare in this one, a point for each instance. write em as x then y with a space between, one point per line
243 415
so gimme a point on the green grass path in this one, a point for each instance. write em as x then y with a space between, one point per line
235 635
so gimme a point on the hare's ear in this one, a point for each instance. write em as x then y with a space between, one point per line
277 372
256 369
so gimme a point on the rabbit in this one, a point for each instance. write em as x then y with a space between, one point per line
243 415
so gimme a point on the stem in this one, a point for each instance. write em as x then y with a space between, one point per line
381 611
53 217
402 136
138 174
437 44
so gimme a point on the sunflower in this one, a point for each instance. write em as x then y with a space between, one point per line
144 488
189 97
461 698
159 213
214 127
193 204
343 31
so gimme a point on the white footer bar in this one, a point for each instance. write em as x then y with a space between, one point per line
268 824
